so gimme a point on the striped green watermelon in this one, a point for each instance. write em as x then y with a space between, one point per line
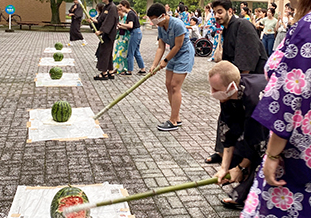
61 111
67 197
56 73
58 56
58 46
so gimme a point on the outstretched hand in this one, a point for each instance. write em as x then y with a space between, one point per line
269 170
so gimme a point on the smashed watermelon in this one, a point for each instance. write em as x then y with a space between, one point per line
58 46
58 56
56 73
66 197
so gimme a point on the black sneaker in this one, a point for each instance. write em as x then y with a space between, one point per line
141 72
167 126
179 123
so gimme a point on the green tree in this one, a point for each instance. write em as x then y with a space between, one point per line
55 4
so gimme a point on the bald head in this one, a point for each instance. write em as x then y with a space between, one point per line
226 72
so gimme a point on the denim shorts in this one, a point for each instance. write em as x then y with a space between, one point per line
182 62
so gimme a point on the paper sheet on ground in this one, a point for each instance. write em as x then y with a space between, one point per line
81 125
50 62
53 50
68 79
35 202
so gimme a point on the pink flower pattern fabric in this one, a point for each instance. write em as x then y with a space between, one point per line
307 157
252 202
271 83
297 118
295 81
306 124
282 198
275 59
285 110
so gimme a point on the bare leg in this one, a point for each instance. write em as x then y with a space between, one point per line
174 82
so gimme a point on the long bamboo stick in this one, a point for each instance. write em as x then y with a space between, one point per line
88 17
139 196
120 97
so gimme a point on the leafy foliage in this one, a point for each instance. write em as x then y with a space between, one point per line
141 5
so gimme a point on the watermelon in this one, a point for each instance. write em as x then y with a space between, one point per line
61 111
56 73
67 197
58 56
58 46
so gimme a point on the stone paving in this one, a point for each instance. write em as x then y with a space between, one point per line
136 154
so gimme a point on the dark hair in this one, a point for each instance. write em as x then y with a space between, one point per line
126 4
272 10
234 9
244 3
226 4
208 7
186 8
199 12
156 9
181 3
287 5
181 8
274 5
264 11
246 9
100 7
194 19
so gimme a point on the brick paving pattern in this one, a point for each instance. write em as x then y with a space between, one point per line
136 154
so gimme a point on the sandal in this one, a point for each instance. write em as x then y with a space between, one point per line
228 203
102 76
141 72
215 158
111 75
125 73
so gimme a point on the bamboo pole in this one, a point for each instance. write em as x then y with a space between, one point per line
139 196
88 17
120 97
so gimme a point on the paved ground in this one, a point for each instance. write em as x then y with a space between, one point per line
136 154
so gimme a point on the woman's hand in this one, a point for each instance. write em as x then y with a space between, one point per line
71 14
269 170
220 175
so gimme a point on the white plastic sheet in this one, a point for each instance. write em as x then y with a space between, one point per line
35 202
68 79
50 62
53 50
81 125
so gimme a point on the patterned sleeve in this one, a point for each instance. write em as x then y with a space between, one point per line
285 107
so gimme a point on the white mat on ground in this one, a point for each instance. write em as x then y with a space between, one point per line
35 202
50 62
53 50
68 79
81 125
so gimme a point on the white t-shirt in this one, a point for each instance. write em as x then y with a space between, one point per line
194 32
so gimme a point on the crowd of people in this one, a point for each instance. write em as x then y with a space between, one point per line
262 84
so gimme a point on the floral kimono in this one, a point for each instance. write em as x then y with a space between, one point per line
285 109
120 52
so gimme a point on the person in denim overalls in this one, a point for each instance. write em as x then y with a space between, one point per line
178 62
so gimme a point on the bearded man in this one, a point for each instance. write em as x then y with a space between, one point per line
241 45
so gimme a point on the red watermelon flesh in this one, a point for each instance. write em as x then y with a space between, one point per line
71 201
